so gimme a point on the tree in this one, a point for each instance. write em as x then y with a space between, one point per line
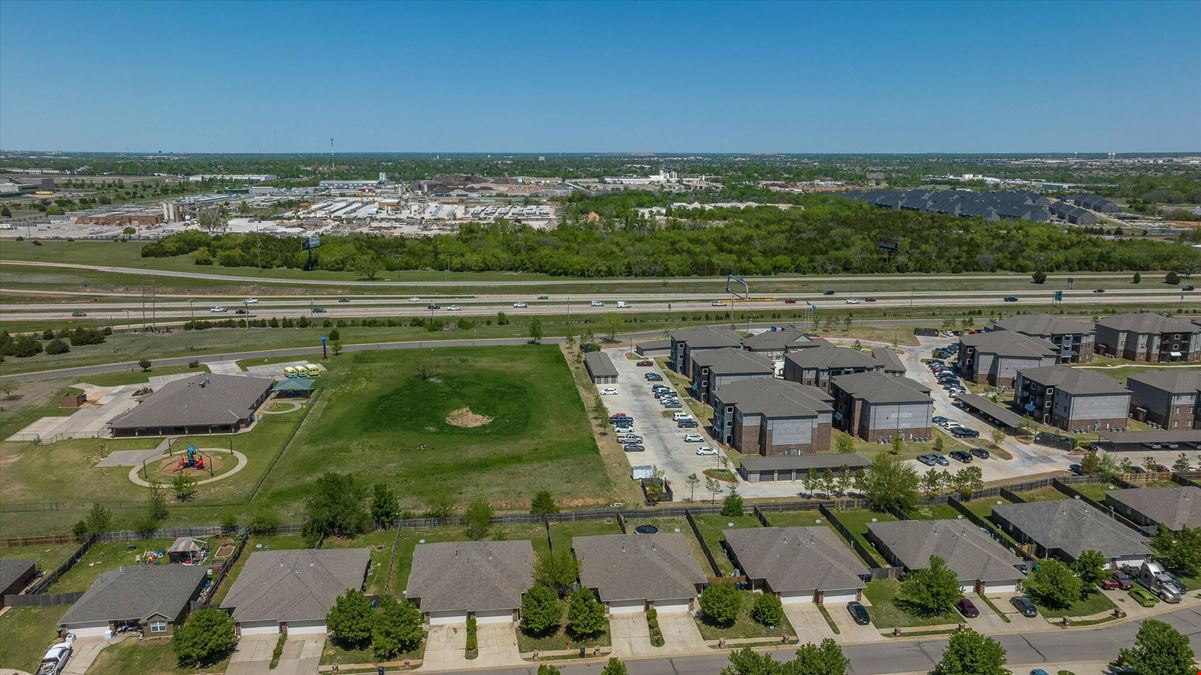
932 590
557 569
57 346
543 504
397 629
335 347
1171 278
720 603
968 480
714 487
1138 278
1054 584
938 443
210 220
98 521
1039 277
692 481
478 519
1159 648
351 620
931 482
265 521
144 363
970 653
614 667
366 266
384 508
540 611
585 614
998 435
747 662
536 329
731 507
600 414
1180 550
334 335
824 659
205 638
844 444
335 507
1090 567
184 486
1181 465
156 502
1090 463
768 610
897 445
612 324
890 483
1149 463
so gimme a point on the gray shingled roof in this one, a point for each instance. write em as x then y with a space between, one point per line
137 593
881 388
829 356
888 357
1160 436
972 555
12 569
223 399
1172 380
733 361
702 337
775 398
1038 325
650 567
852 460
1073 527
1169 507
1009 343
993 410
779 340
298 585
1075 381
600 365
1148 322
471 576
793 559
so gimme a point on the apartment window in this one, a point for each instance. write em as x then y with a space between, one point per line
158 626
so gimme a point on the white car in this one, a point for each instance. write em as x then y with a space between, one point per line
454 308
218 309
718 303
250 301
609 391
414 299
705 450
693 438
520 305
597 303
55 659
852 301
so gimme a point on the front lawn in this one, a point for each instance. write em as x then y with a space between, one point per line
744 626
145 657
1094 603
711 527
25 633
887 611
104 556
559 639
333 654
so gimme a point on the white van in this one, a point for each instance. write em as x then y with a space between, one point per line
676 417
622 304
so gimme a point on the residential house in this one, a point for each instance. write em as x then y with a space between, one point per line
1074 339
878 407
1065 528
994 357
631 572
153 598
817 366
1095 203
15 575
1166 398
686 343
982 564
200 404
451 581
716 368
1153 338
292 591
772 417
1173 508
600 368
799 564
1071 398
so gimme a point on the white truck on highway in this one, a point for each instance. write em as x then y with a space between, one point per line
55 659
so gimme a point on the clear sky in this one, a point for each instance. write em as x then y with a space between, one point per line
597 76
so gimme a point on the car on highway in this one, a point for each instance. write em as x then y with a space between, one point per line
241 310
1098 290
962 455
433 305
597 303
414 299
1188 288
852 301
320 310
789 301
520 305
869 299
1024 606
543 297
859 613
964 432
79 312
1143 597
827 292
218 309
634 447
980 452
967 609
645 363
705 450
717 303
250 301
343 299
1011 298
454 308
609 391
694 438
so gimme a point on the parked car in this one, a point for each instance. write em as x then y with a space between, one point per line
859 613
55 659
928 460
694 438
967 609
1143 597
646 363
941 460
705 450
633 447
1076 469
629 438
1110 584
617 416
687 424
609 391
962 455
980 452
938 419
1024 606
672 404
1039 671
653 377
79 312
964 432
1125 582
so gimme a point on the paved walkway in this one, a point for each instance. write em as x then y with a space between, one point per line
301 654
242 461
133 457
631 636
224 367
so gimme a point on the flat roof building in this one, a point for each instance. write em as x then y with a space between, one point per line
600 368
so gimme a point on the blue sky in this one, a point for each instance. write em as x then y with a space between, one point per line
597 76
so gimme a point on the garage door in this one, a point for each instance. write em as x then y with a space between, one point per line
260 629
498 616
439 618
967 588
91 631
796 598
1134 561
315 628
839 597
1000 588
626 607
673 607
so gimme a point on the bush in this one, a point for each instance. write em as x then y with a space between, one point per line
720 603
652 622
351 619
205 638
57 346
585 614
768 610
398 628
278 651
265 522
731 507
540 611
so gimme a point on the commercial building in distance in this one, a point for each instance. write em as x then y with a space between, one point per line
1074 339
816 367
1153 338
994 357
201 404
878 407
1071 399
772 417
1166 398
716 368
687 342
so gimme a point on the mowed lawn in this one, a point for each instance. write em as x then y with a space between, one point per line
385 417
104 556
561 534
857 521
25 633
48 556
711 531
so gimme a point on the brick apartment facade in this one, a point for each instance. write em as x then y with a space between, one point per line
714 368
817 366
1074 339
686 343
878 407
1148 337
772 417
994 357
1071 399
1166 398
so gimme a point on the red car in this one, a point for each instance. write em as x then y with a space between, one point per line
616 415
646 363
1110 584
789 301
870 299
1123 580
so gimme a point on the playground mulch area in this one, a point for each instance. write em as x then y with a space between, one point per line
207 465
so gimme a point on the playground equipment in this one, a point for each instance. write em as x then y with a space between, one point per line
192 459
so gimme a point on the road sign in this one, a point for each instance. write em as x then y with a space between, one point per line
1058 296
311 243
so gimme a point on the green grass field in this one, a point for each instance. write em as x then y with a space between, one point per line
935 512
887 611
146 657
26 632
796 518
1094 603
101 558
48 556
1047 494
561 534
744 626
711 530
1096 491
380 542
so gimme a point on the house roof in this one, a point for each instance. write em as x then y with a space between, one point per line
881 388
1045 325
1073 527
1075 381
775 398
973 556
704 337
638 566
1161 436
12 569
1171 380
294 384
731 361
297 585
1008 343
853 460
199 400
600 365
471 576
1147 322
1170 507
137 593
789 337
794 559
828 356
888 357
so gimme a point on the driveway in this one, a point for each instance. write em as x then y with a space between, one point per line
849 631
83 653
497 643
808 623
991 623
446 647
680 633
630 635
301 654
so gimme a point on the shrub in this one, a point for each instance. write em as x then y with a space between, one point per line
472 650
652 622
720 603
205 638
768 610
57 346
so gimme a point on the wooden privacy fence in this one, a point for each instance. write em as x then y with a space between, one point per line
42 599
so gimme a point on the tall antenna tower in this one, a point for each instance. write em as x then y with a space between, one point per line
331 155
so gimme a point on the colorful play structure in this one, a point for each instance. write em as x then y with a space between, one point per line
193 458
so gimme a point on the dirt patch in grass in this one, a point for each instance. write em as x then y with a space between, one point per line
463 417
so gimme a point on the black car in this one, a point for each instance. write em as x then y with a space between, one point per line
964 432
827 292
79 312
980 452
1024 606
343 299
1188 288
962 455
432 305
319 310
687 424
241 310
542 297
633 447
859 613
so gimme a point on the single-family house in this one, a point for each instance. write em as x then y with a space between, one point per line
154 598
982 564
15 575
1173 508
631 572
799 564
292 591
1066 528
451 581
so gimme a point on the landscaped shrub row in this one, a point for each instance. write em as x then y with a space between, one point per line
472 647
652 622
